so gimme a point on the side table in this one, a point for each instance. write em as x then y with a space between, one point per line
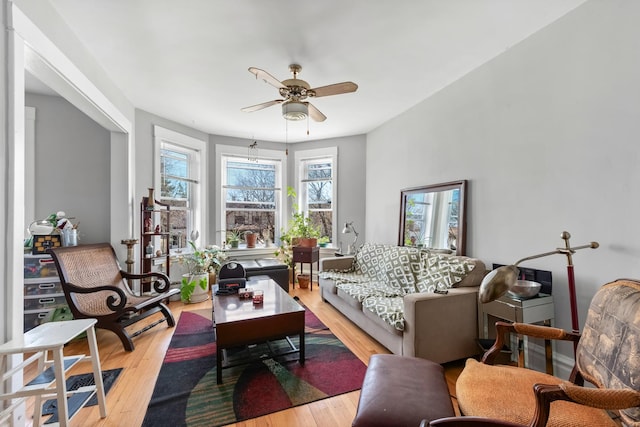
539 309
52 337
302 255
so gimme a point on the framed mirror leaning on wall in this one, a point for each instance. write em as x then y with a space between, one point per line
433 216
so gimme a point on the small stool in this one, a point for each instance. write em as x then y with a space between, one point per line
40 340
402 391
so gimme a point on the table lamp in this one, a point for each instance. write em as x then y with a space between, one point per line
499 281
348 228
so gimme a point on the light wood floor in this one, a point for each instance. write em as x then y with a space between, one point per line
128 399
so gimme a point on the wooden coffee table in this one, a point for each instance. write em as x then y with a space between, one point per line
239 322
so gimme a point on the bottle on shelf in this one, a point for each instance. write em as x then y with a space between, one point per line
149 249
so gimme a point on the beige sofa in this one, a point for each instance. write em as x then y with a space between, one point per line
388 291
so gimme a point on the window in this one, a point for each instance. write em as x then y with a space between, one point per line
317 188
181 180
251 194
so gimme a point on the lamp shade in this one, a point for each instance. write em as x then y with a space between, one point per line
497 282
295 110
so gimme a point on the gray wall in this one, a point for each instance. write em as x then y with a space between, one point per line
547 135
72 166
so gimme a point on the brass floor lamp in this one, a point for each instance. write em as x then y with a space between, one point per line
499 281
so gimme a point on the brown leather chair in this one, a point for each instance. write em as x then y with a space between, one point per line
607 355
95 287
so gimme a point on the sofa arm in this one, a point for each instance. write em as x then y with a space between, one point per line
441 327
340 263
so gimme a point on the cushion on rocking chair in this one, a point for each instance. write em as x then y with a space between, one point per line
479 386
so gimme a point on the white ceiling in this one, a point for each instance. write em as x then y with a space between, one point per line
187 60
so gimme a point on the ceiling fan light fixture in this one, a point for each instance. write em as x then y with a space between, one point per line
295 110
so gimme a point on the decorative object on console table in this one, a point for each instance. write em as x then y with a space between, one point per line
499 281
154 238
348 229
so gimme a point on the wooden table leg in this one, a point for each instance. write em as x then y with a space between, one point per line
219 365
301 347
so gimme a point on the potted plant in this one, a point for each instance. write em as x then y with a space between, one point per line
301 231
323 241
200 263
251 237
234 239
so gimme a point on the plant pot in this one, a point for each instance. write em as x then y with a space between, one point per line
234 244
251 239
303 280
198 294
308 242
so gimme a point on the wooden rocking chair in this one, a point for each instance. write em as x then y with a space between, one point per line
95 287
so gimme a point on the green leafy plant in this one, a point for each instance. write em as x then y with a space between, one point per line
233 238
323 241
199 262
299 226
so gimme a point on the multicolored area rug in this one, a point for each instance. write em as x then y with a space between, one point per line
186 392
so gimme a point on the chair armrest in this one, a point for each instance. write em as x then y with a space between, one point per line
537 331
115 304
601 398
341 263
468 421
162 285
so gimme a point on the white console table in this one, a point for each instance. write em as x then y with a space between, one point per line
40 340
533 310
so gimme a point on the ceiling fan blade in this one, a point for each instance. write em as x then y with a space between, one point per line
261 106
268 78
334 89
315 114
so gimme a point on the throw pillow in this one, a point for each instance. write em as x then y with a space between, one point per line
398 262
459 268
441 271
434 274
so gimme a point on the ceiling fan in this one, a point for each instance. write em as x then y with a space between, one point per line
294 93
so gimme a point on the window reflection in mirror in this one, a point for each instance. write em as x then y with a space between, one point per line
433 217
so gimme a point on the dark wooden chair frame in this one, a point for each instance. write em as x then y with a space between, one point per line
544 393
117 306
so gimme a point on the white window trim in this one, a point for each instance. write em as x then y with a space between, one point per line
241 152
200 211
304 155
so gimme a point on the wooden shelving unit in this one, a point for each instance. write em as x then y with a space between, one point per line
155 238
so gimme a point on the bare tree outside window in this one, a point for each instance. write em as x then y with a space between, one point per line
175 191
319 192
250 200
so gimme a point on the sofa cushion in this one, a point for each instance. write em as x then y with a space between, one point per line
389 309
360 291
344 276
441 271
